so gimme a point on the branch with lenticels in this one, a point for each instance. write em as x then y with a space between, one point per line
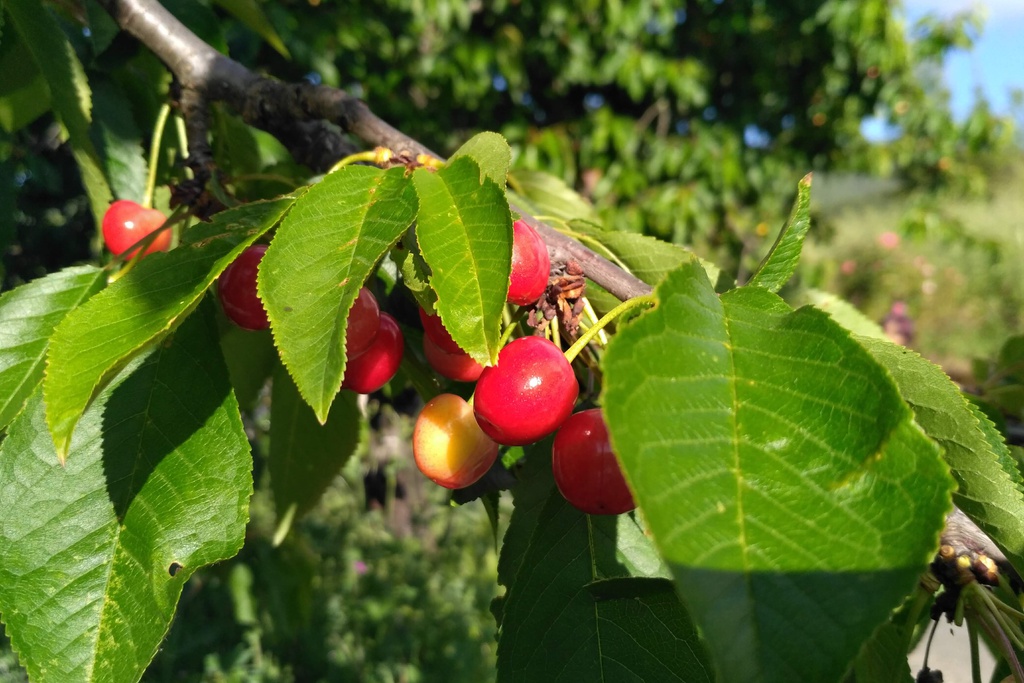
313 122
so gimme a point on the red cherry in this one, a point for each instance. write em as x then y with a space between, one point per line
375 367
458 366
236 288
363 323
127 222
448 444
531 265
435 329
586 471
527 395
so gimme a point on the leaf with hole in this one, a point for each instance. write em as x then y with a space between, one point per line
95 554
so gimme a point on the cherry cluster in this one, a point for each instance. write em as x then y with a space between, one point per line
373 342
528 394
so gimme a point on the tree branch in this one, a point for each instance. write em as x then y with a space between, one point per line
296 113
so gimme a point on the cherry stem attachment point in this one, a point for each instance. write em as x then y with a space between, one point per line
574 350
154 155
377 156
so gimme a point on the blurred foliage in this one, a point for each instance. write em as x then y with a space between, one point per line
689 121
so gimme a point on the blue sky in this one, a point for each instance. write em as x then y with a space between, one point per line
996 65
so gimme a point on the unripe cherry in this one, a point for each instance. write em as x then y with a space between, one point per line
527 395
236 289
586 471
531 265
448 444
374 367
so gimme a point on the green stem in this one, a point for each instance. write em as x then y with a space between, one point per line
574 350
510 328
972 633
179 124
377 156
154 155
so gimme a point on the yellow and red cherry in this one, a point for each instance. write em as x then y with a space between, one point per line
435 329
531 265
458 366
374 367
363 323
448 444
127 222
236 289
586 471
527 395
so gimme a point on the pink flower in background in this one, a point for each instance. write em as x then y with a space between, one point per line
889 240
359 567
848 266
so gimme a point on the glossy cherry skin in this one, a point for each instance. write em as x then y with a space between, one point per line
127 222
363 323
375 367
586 471
458 366
448 444
435 329
531 265
527 395
236 288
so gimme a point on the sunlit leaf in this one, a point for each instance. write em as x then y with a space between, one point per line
97 340
780 263
464 229
780 473
28 316
322 254
93 556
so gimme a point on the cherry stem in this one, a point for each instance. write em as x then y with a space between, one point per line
510 328
574 350
377 156
179 124
154 155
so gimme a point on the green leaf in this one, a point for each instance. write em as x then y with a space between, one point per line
251 358
322 254
883 659
305 456
780 473
69 92
780 263
548 195
464 229
843 312
23 92
989 487
491 153
118 140
575 612
96 340
93 556
252 15
28 316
